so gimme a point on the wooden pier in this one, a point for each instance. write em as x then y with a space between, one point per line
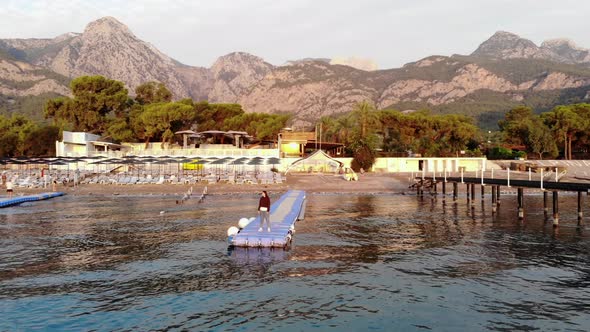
431 184
284 212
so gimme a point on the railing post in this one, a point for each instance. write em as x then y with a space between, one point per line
508 184
530 174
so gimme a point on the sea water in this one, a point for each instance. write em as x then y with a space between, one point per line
358 262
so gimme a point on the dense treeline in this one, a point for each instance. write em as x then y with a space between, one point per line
20 136
558 132
102 106
365 131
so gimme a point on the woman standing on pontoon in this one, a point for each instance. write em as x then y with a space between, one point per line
264 211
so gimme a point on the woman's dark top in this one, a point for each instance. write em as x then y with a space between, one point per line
264 202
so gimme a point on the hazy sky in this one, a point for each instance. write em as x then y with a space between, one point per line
390 32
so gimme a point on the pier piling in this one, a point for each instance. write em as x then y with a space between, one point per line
483 192
580 213
520 199
555 209
493 199
545 205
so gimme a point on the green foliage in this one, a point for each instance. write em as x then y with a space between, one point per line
94 98
366 117
426 134
211 116
540 140
159 120
28 106
41 141
152 92
21 137
363 155
570 125
498 153
263 126
120 130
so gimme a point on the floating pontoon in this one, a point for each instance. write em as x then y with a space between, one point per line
284 212
22 199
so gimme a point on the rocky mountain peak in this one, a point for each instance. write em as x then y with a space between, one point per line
560 42
506 45
236 61
567 50
235 73
106 26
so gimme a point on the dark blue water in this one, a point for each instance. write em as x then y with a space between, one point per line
359 262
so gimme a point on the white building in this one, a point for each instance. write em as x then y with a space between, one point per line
81 144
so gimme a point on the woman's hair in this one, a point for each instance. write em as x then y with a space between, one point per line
265 193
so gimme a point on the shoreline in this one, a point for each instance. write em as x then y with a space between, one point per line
369 183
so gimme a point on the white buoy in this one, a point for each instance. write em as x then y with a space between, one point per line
162 212
232 231
243 222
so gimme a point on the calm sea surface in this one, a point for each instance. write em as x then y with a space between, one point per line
359 262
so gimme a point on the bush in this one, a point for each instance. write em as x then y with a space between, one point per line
499 152
363 157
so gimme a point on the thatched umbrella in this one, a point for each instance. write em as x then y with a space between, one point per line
185 135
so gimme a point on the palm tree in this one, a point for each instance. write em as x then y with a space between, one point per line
366 116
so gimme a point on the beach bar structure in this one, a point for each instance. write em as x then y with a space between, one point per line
284 212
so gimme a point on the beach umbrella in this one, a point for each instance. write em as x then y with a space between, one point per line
160 162
199 161
256 161
218 162
56 163
239 162
273 161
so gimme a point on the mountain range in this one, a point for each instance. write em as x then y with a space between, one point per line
504 71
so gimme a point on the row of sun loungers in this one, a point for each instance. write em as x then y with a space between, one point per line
31 181
191 179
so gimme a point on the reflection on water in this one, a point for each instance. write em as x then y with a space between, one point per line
384 262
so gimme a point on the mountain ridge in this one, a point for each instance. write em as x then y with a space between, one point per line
505 64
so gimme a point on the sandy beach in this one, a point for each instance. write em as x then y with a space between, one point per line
313 183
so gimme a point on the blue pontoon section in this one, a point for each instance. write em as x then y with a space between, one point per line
284 212
21 199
